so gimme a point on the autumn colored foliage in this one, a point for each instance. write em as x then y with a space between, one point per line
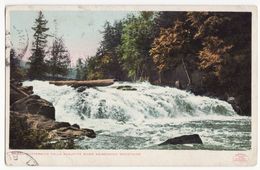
150 45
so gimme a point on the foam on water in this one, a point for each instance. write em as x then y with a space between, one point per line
150 115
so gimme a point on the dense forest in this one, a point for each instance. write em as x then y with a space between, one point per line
152 45
207 53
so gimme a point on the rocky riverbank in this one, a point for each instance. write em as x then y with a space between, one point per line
33 125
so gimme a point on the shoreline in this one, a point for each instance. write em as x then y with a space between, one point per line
33 119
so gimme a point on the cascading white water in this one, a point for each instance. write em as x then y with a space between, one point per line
146 113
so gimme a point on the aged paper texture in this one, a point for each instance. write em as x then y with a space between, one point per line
131 85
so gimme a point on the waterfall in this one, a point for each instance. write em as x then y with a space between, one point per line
138 115
146 101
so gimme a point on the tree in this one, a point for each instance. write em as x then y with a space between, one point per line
58 63
167 19
110 66
106 62
16 71
174 46
137 37
37 68
214 45
79 69
225 53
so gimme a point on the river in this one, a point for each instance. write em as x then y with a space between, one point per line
147 116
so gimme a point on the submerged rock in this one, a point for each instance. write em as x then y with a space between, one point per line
185 139
81 88
126 88
35 105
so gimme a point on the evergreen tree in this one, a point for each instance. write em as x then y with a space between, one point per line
59 61
214 44
137 37
15 71
79 69
37 68
106 62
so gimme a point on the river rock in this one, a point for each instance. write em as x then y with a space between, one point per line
81 89
126 88
178 84
27 89
70 133
35 105
56 130
234 104
76 126
15 95
16 83
185 139
61 124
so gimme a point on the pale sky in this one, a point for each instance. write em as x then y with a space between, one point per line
80 29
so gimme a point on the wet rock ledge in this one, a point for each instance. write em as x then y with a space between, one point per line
39 114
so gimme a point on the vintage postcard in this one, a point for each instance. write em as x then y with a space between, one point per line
131 85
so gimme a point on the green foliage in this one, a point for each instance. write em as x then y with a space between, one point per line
124 51
16 72
38 67
59 61
106 63
137 36
81 69
149 46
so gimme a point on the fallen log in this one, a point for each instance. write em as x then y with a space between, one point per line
87 83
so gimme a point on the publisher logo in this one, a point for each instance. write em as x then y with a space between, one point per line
240 159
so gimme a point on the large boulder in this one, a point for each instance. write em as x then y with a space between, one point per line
36 121
35 105
27 89
16 95
71 132
185 139
234 104
17 91
56 130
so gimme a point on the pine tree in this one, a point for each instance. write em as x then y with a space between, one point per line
79 69
37 68
59 62
14 65
137 37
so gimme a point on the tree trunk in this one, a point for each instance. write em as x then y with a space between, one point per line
160 77
88 83
186 72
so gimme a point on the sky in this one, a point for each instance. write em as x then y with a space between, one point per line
81 30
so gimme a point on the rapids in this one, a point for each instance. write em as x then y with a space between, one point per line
146 116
